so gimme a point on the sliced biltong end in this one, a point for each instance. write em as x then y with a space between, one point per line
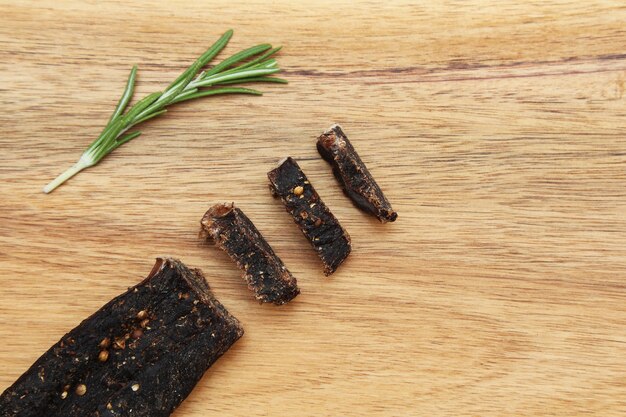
141 354
317 223
233 232
354 177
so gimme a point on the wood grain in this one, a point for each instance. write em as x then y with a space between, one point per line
496 129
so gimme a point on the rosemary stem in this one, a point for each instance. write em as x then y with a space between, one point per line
66 175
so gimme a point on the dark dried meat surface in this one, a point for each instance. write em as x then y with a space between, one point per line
354 177
233 232
141 354
315 220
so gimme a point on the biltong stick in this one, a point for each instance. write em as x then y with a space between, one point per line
317 223
141 354
354 177
233 232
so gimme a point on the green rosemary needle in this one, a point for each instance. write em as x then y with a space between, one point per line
250 65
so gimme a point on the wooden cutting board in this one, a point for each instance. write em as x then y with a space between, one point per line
495 128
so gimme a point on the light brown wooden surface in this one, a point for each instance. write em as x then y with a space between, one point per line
495 129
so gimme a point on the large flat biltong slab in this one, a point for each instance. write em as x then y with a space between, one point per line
233 232
139 355
354 177
322 229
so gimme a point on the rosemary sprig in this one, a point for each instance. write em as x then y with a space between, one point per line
251 65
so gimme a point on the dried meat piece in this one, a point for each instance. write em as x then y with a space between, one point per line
322 229
141 354
356 180
233 232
